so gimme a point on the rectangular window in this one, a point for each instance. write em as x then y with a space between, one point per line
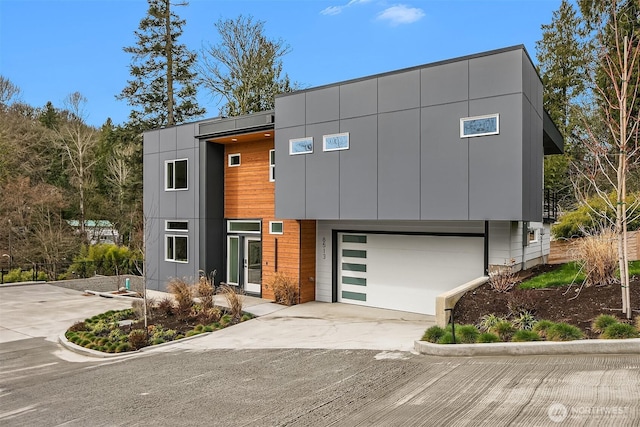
480 126
234 160
351 238
351 253
272 165
354 267
533 235
233 258
301 145
246 226
276 227
356 296
176 174
176 225
338 141
358 281
176 248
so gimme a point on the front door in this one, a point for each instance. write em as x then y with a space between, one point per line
252 265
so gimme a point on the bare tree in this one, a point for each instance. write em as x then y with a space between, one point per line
611 154
79 142
119 175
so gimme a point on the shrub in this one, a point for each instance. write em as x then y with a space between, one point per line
597 254
488 321
541 327
525 321
166 306
617 331
563 332
487 337
246 316
205 292
602 321
182 295
138 307
78 326
234 302
504 330
209 315
467 334
285 290
433 334
137 339
104 259
225 320
447 338
525 335
122 347
503 278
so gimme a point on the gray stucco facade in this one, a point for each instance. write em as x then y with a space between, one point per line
406 158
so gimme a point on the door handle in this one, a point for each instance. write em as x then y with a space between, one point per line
245 263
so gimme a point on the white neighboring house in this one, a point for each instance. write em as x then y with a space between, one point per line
98 231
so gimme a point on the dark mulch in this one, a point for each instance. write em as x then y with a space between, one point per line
556 304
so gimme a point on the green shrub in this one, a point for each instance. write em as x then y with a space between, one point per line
487 337
504 330
602 321
137 339
17 275
447 338
207 329
158 341
122 347
525 321
618 331
541 327
488 321
433 334
225 320
246 316
467 334
524 335
563 332
104 259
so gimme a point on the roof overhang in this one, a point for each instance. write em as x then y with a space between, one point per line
226 127
552 141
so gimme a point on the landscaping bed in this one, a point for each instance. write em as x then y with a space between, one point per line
556 303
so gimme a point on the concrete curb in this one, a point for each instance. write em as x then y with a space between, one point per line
597 346
128 296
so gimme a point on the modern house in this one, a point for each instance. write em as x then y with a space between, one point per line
383 191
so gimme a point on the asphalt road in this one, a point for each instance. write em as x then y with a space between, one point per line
312 388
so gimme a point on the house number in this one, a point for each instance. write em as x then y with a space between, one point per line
324 248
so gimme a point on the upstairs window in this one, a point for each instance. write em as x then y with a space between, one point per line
301 145
176 174
480 126
272 165
234 160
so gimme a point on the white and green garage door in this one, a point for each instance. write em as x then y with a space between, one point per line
404 272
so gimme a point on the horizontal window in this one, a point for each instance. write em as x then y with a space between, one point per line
176 248
351 238
354 254
338 141
360 281
234 160
246 226
301 145
356 296
276 227
176 174
353 267
480 126
176 225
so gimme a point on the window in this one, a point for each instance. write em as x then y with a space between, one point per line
176 225
276 227
233 260
533 235
234 160
176 174
272 165
176 248
480 126
301 145
244 226
338 141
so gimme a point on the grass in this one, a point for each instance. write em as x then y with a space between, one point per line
566 274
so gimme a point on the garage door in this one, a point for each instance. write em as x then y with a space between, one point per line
402 272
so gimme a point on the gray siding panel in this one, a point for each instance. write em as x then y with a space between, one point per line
445 84
444 189
322 105
399 91
322 175
495 161
291 174
495 74
168 139
291 110
399 165
359 170
526 156
359 99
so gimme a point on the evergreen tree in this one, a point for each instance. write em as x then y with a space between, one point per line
163 88
245 69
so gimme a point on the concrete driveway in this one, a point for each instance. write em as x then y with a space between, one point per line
41 310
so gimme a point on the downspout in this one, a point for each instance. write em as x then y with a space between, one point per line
525 242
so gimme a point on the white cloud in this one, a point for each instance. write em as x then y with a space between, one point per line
335 10
401 14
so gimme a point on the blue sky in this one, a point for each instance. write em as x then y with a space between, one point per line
52 48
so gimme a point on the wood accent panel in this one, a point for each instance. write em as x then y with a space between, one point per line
307 261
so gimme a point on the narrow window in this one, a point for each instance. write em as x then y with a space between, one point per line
176 225
176 175
480 126
338 141
301 146
234 160
272 165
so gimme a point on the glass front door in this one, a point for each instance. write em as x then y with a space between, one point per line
252 264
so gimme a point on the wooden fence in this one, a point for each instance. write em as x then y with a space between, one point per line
561 249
